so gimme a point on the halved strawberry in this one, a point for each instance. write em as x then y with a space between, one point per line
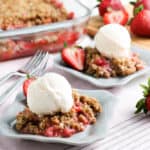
119 16
106 5
26 85
74 57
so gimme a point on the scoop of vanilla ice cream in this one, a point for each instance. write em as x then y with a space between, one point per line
113 41
49 94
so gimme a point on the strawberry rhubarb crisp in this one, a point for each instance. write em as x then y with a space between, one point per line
91 61
23 13
83 113
55 110
16 14
100 66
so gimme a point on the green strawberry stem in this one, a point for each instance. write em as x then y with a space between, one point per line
65 44
138 9
141 104
28 76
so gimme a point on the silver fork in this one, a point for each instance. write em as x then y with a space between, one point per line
29 66
36 72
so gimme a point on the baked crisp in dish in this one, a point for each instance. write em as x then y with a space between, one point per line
25 13
98 65
83 113
16 14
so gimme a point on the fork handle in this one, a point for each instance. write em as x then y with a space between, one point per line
11 90
9 75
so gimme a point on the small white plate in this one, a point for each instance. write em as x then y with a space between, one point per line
111 82
93 133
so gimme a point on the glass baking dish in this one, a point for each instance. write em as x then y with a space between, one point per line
50 37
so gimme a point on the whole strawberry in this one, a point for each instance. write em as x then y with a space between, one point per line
107 5
143 105
140 24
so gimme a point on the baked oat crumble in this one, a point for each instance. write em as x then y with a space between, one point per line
21 13
98 65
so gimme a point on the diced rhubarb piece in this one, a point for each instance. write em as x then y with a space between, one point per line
69 36
49 132
71 15
101 62
67 132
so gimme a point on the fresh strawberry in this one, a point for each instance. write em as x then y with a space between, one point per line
148 103
140 24
144 103
120 17
141 4
108 5
74 57
26 85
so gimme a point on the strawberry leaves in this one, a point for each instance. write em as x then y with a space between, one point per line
138 9
140 106
143 105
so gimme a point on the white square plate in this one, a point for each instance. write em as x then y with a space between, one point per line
111 82
93 132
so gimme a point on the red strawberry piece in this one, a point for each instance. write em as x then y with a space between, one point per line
68 36
77 108
26 85
42 42
27 45
101 62
107 5
49 132
120 17
147 102
59 4
74 57
67 132
71 15
140 25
